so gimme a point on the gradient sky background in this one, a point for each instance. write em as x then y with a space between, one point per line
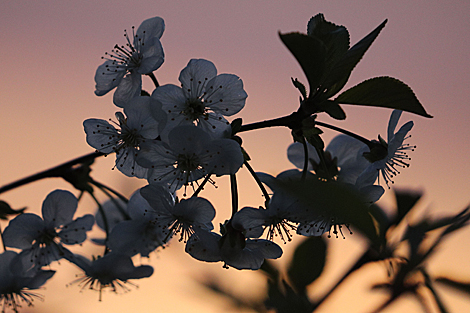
50 52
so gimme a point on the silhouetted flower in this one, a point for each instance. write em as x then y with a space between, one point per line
125 65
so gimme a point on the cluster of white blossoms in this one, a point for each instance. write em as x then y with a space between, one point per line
178 139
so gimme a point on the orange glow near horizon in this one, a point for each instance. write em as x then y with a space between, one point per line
50 53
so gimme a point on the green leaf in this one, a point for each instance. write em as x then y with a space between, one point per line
339 74
310 53
385 92
336 200
307 263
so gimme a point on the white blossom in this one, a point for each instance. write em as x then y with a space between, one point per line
189 155
204 97
42 239
125 65
131 132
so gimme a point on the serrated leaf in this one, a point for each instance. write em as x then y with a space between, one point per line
334 37
339 74
307 263
310 53
385 92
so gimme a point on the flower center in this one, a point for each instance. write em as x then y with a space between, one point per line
187 163
194 109
126 57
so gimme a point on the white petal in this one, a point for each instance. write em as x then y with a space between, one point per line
101 135
295 154
195 76
23 230
108 77
126 163
75 232
152 56
392 124
203 246
224 157
140 118
129 87
153 28
397 139
198 211
225 94
58 208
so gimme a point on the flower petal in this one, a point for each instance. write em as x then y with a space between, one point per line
58 208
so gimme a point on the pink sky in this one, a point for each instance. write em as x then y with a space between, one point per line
50 52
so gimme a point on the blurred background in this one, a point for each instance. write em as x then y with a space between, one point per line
50 52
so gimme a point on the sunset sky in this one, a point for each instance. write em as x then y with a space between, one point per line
50 52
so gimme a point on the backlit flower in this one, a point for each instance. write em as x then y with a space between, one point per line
189 155
113 271
16 282
131 132
125 65
42 239
204 97
394 153
182 217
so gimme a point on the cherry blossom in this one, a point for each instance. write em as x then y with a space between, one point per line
392 154
232 248
204 97
172 217
16 282
131 132
113 270
125 65
189 155
42 239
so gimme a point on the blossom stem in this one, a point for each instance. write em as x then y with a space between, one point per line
290 121
154 79
294 121
305 168
258 181
3 242
233 188
346 132
105 220
104 187
56 171
121 210
201 186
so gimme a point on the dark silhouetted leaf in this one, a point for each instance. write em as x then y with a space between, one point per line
307 263
385 92
405 202
5 210
339 74
310 53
